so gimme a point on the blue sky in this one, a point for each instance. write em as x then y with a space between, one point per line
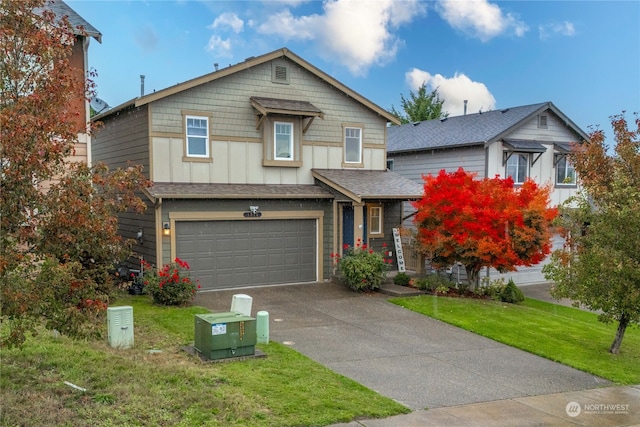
584 56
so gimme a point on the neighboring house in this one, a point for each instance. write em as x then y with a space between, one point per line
260 172
530 141
83 32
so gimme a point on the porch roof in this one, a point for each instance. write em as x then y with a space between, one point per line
360 184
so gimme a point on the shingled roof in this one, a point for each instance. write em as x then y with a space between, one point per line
369 184
61 9
166 190
470 129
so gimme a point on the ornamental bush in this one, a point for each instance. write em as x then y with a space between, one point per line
172 285
511 293
362 268
402 279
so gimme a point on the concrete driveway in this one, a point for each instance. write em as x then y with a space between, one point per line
413 359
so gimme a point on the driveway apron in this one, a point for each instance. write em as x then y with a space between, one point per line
413 359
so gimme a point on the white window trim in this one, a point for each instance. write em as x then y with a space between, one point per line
380 230
543 121
291 142
526 165
206 137
359 161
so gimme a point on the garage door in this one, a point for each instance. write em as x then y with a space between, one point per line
225 254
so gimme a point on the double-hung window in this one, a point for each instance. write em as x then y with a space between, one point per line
352 145
197 136
565 172
517 166
283 141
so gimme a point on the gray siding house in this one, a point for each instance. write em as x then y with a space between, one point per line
530 141
260 172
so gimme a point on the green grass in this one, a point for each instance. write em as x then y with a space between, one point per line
563 334
172 388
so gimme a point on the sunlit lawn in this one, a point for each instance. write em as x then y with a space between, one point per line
563 334
173 388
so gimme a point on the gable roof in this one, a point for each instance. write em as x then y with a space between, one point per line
61 9
467 130
248 63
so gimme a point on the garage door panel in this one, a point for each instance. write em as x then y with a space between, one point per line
225 254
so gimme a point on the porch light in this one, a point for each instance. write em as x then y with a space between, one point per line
166 228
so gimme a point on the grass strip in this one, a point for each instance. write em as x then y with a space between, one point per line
172 388
564 334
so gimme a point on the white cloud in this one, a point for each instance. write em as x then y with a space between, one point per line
480 19
228 20
565 28
289 27
219 47
454 91
357 33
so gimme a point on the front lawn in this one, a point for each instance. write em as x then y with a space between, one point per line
563 334
173 388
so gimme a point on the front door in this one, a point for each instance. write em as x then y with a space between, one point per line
347 225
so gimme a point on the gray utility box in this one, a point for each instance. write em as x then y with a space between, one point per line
224 335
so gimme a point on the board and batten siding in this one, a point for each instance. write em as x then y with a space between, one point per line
543 171
236 144
266 205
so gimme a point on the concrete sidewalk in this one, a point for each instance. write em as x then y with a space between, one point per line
416 360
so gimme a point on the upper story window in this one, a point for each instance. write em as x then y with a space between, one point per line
283 141
352 145
517 167
197 136
565 172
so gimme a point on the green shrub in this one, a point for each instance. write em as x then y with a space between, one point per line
402 279
511 293
172 285
491 288
362 268
432 282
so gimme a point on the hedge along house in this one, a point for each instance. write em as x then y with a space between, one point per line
260 171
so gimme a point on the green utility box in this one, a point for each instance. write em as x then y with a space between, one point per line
224 335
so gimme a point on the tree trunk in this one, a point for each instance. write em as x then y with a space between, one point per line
622 326
473 276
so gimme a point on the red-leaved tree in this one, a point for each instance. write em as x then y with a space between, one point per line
483 223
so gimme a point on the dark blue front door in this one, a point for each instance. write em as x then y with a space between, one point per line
347 225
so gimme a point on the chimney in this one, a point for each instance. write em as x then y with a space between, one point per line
465 107
215 66
141 84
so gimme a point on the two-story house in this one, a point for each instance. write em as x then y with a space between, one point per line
260 172
530 141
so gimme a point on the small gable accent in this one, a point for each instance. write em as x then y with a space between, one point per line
287 107
521 146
